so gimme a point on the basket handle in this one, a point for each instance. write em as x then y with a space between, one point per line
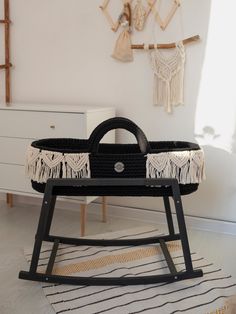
118 123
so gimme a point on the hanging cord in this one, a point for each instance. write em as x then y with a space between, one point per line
181 22
154 21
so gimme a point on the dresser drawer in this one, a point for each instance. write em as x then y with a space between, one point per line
12 178
20 124
13 150
35 124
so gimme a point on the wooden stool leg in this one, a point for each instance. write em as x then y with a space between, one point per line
104 209
9 200
83 208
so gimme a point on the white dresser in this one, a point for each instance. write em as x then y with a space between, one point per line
21 124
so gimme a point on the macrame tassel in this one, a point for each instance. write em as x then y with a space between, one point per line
197 166
48 166
176 89
159 92
32 157
76 166
168 102
139 16
42 165
157 167
180 163
186 166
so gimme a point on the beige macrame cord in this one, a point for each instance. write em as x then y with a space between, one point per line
186 166
168 77
42 165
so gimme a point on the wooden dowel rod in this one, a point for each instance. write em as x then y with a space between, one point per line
7 50
167 46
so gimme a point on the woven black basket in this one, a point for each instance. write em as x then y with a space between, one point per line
65 157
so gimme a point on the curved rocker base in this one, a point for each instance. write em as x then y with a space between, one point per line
109 281
80 185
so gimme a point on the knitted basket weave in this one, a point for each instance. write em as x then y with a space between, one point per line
77 158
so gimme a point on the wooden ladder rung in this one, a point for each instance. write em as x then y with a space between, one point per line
5 66
5 21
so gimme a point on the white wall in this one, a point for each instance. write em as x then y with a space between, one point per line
61 51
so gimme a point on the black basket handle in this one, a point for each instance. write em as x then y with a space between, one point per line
118 123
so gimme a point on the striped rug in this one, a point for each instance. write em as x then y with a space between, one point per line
206 295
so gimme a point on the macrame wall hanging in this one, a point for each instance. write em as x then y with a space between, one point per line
168 77
168 69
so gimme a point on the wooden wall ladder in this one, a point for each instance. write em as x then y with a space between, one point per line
6 22
7 65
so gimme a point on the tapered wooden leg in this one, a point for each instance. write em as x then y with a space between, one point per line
9 200
83 208
104 209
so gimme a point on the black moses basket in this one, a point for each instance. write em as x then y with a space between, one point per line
86 167
78 158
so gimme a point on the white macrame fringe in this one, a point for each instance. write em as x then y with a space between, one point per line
185 166
42 165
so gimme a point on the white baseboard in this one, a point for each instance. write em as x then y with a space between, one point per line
144 215
151 216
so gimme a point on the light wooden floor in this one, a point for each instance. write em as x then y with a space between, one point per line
17 229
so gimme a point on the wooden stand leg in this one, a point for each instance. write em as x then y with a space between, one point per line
83 208
9 200
104 209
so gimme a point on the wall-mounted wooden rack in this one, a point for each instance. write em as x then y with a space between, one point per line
6 22
7 66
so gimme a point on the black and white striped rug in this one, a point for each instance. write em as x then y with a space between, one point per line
204 295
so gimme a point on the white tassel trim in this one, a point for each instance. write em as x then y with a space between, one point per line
42 165
185 166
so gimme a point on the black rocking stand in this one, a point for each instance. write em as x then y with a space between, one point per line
111 187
